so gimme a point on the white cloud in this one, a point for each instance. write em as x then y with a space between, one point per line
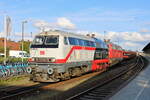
144 30
127 40
112 35
131 44
42 25
128 45
101 15
133 36
27 36
1 34
128 36
136 36
61 22
19 34
65 23
147 37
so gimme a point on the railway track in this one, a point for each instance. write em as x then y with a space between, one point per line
107 88
13 93
17 93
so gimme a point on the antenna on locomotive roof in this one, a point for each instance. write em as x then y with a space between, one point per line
88 35
93 35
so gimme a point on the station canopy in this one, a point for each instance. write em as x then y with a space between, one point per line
146 49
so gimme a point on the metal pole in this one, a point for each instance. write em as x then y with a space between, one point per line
5 49
31 34
23 22
22 39
104 34
5 40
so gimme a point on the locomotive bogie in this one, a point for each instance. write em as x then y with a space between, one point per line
60 71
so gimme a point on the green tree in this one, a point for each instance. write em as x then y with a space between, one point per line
2 50
26 46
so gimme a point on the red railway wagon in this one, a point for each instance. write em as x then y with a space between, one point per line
115 53
129 54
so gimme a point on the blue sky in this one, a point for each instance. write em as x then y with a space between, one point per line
88 15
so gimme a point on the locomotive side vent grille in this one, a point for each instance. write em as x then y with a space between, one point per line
41 59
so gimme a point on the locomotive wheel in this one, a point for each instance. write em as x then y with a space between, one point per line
84 69
76 72
65 76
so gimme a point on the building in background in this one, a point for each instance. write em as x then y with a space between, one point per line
11 45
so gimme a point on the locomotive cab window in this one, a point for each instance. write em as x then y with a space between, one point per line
87 43
52 40
38 40
81 42
73 41
65 41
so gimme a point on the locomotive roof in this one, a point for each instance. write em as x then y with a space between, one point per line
115 45
63 33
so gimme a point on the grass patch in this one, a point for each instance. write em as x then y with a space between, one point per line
12 80
13 60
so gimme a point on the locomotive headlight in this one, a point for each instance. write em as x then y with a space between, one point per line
52 59
31 59
50 71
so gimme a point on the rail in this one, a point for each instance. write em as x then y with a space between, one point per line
101 89
113 84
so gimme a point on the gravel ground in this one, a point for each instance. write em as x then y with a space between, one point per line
16 82
55 89
48 91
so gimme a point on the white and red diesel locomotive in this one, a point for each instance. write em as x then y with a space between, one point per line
58 55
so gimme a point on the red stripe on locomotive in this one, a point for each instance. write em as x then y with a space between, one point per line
72 49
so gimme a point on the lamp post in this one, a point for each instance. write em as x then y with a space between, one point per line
104 34
7 30
23 22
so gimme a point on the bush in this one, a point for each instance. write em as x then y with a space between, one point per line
13 60
1 59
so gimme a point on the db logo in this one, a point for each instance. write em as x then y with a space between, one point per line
42 52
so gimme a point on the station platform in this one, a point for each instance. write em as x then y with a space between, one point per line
138 88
